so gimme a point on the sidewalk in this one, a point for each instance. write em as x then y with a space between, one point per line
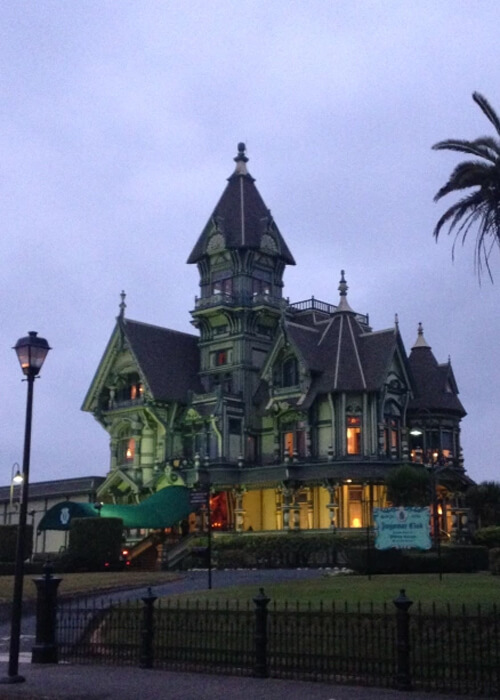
68 682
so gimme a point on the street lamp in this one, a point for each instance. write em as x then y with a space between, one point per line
31 352
16 478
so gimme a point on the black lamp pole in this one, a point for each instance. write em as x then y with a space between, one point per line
31 352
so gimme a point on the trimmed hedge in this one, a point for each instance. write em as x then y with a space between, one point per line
95 544
8 540
289 550
495 561
488 536
452 559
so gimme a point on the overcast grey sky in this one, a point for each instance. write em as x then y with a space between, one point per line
119 123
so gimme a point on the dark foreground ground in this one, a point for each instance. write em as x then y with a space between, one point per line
86 682
67 682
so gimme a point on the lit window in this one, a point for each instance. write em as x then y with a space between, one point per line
136 391
130 451
355 507
353 435
126 450
221 358
294 440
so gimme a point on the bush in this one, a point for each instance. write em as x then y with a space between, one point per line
488 536
94 544
452 559
495 561
8 540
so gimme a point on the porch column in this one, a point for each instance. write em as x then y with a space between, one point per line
239 511
332 505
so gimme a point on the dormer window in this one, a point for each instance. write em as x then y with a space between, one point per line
136 391
129 389
287 374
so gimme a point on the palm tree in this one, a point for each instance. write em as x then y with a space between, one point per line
480 208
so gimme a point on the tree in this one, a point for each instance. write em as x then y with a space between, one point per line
484 500
479 209
408 486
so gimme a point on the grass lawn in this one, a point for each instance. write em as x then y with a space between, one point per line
456 589
470 590
92 582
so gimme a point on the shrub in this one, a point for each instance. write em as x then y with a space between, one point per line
488 536
451 559
495 561
287 550
408 485
94 545
8 540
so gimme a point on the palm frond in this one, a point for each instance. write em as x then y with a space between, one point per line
480 209
490 144
473 147
487 110
468 174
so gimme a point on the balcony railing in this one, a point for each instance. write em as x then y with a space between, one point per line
313 304
238 300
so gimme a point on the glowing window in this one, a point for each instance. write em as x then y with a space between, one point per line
353 435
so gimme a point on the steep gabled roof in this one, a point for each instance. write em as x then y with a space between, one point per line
168 359
341 353
242 217
435 386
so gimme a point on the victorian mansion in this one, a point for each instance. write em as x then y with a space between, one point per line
293 413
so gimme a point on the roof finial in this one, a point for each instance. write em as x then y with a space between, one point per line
241 160
396 321
123 305
421 341
343 284
343 303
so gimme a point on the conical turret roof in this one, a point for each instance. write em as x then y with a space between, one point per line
242 219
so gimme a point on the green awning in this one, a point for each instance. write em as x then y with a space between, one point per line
163 509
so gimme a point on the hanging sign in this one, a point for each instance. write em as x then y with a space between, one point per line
198 498
402 528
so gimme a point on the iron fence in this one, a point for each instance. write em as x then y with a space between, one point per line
438 650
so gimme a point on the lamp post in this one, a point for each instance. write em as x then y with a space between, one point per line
31 352
433 467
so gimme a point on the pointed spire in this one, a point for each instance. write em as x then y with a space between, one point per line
241 160
421 341
343 303
123 306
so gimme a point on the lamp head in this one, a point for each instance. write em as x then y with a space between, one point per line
31 352
18 478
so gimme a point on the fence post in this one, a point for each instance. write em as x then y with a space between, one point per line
147 632
403 676
44 650
261 602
